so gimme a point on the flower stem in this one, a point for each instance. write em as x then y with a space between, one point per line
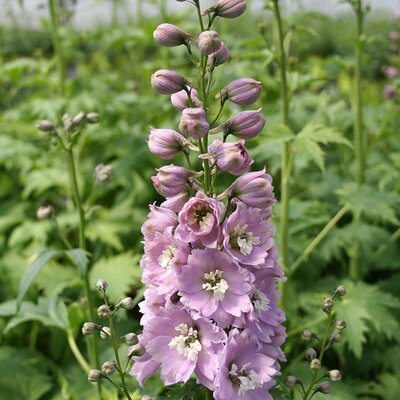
286 162
117 358
317 240
324 347
76 352
355 264
57 46
92 345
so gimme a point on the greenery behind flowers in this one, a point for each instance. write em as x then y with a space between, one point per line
108 71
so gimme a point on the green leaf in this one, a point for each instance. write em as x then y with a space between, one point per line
388 386
80 258
369 202
364 306
310 150
188 391
33 269
21 375
323 134
49 312
122 272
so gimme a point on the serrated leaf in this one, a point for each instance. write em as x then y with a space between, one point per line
363 305
122 272
310 150
368 202
323 134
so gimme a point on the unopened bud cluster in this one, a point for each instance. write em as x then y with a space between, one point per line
324 343
107 310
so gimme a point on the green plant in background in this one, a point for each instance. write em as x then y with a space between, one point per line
107 70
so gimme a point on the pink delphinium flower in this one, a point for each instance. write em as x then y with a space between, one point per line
199 220
247 236
213 284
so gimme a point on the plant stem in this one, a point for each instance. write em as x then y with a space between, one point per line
92 345
285 170
321 355
63 238
76 352
33 335
312 324
355 263
117 359
317 240
57 46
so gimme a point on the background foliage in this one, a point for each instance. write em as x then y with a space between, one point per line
108 71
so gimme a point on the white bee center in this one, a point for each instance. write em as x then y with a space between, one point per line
213 282
167 256
245 378
243 239
187 343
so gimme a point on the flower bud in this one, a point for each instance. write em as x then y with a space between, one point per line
180 100
243 91
244 125
315 364
44 212
335 375
389 92
170 35
209 42
108 367
219 57
328 305
79 119
336 337
93 118
102 285
311 354
166 143
165 81
228 8
45 126
171 180
103 173
103 311
89 328
193 123
253 189
323 387
95 375
341 325
126 303
307 335
391 72
291 381
130 339
136 350
231 157
341 290
67 122
105 332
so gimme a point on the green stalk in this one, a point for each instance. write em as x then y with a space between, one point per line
324 347
76 352
55 37
355 263
204 93
117 358
317 240
285 168
286 162
92 345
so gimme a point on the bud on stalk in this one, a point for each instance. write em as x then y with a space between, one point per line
130 339
219 57
95 375
243 91
45 126
209 42
180 100
227 8
193 123
166 81
170 35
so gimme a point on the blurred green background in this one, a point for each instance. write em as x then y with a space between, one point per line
108 68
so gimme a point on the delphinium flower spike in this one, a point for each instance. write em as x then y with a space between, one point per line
210 263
